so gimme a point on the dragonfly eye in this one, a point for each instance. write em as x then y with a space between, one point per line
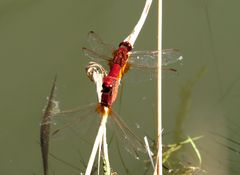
106 89
127 45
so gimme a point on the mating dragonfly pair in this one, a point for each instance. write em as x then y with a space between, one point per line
120 61
123 59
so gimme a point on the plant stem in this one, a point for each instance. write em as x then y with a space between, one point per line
159 134
97 142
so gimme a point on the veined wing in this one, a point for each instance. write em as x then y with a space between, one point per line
149 59
98 46
133 144
95 56
72 118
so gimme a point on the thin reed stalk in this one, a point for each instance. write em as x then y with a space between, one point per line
158 169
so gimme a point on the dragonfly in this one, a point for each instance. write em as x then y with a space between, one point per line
74 120
121 60
76 116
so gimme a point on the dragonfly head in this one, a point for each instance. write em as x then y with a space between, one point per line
127 45
106 98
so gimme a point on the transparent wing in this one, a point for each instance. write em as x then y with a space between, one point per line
132 143
149 59
97 45
72 118
95 56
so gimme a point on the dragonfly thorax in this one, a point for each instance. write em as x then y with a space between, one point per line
120 56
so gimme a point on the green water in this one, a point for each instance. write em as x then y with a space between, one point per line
39 39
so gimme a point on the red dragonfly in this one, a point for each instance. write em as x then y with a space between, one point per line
121 60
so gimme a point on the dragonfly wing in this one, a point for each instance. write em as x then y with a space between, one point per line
149 59
98 46
94 55
170 56
132 143
72 118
